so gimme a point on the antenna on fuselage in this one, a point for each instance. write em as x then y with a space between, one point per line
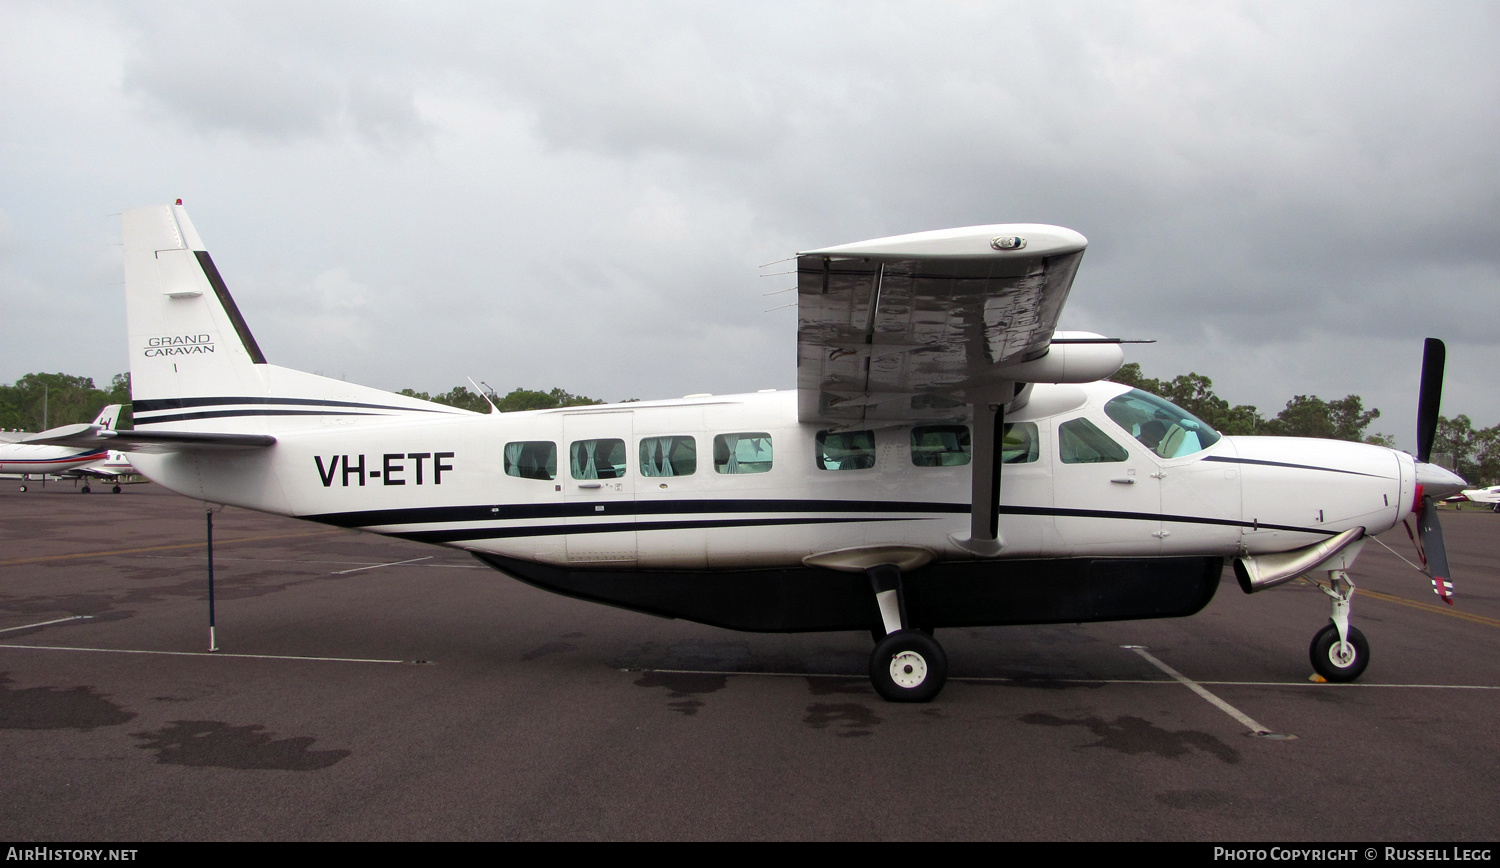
483 394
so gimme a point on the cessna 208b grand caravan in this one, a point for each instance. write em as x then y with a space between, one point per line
948 459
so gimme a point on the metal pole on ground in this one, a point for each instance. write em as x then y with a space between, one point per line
212 645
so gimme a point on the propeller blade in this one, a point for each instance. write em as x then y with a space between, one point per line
1433 356
1436 554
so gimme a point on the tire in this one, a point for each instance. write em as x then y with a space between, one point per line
1326 660
908 666
23 488
85 490
117 489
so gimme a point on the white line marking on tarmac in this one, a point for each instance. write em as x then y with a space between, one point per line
203 654
378 566
982 679
45 623
1197 688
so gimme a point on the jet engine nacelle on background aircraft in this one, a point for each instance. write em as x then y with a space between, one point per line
948 459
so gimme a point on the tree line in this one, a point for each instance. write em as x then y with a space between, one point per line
38 401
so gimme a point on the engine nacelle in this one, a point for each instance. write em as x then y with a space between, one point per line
1069 362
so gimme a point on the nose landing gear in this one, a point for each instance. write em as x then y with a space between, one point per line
1339 652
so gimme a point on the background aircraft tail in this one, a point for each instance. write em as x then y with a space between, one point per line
194 365
108 417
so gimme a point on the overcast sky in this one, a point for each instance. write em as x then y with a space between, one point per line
1288 197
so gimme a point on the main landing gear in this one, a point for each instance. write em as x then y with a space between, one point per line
907 665
1339 652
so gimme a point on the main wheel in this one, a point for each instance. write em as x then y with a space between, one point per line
85 490
117 489
908 666
23 488
1337 663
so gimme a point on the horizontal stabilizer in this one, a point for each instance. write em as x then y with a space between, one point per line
148 441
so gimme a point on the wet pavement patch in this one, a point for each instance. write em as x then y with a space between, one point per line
684 687
81 708
549 648
825 686
851 719
212 743
1133 736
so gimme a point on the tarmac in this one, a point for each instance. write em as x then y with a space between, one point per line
374 689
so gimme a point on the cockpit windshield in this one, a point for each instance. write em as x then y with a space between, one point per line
1161 426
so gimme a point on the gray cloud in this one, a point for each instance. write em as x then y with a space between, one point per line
579 194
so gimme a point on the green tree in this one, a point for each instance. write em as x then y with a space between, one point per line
38 401
518 399
1475 452
526 399
1311 416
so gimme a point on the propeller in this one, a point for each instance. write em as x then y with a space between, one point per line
1429 536
1434 354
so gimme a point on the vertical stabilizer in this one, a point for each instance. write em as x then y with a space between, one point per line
187 338
194 364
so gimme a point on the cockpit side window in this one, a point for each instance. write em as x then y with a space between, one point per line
1080 441
1161 426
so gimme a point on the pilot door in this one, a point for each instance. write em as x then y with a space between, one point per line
599 487
1106 493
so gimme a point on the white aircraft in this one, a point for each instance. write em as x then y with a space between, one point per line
1490 496
27 460
948 459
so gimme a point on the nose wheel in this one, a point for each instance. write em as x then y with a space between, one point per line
1339 651
1339 661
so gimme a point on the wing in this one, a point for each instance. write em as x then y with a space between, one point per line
921 327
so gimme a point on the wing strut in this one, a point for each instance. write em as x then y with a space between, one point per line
984 515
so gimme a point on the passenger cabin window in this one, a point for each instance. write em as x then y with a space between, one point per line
1080 441
949 446
748 452
1161 426
940 445
531 459
1020 443
597 459
846 450
669 456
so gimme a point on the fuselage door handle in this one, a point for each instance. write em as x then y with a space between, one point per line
1124 481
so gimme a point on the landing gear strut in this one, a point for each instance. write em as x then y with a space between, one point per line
907 664
1339 652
